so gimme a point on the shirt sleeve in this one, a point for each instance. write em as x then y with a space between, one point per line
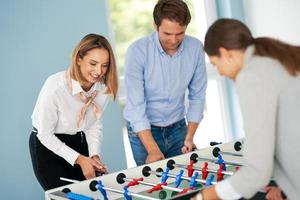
225 190
94 135
197 89
135 109
45 119
258 100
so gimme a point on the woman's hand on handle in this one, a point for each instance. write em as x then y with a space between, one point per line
102 168
88 166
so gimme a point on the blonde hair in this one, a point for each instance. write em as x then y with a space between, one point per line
89 42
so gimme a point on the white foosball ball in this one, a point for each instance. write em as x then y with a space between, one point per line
179 177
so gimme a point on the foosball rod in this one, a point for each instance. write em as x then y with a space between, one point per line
121 178
237 145
94 187
171 163
147 171
196 158
216 151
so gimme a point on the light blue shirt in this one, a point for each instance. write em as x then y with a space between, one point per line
156 83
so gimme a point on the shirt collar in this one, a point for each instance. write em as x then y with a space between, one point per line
76 87
161 50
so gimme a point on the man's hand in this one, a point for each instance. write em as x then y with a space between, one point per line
188 146
154 155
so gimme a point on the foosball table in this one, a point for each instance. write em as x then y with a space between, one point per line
179 177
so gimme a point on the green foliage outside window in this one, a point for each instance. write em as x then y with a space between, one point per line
131 20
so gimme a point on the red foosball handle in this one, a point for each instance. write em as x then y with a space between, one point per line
157 187
134 182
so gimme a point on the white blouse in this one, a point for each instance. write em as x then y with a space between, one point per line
56 112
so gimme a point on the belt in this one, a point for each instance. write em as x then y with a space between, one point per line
35 130
169 126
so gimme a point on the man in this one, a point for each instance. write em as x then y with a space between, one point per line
159 70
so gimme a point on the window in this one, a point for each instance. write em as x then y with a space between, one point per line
131 20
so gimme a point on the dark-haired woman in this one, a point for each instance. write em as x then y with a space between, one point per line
266 72
67 124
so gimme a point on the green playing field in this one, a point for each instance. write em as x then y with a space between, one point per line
168 194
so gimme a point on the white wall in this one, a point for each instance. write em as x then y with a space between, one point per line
275 18
37 38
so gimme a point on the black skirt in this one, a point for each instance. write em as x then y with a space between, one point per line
49 167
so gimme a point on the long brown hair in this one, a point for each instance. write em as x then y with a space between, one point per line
233 34
89 42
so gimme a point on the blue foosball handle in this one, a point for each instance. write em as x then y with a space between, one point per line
74 196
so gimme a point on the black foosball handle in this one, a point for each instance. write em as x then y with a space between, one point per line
213 143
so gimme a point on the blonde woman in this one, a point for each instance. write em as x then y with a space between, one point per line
67 132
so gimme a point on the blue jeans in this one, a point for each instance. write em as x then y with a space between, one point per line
169 139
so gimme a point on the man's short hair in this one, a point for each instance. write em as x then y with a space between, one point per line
173 10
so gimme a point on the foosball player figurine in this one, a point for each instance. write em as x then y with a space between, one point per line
193 181
220 175
164 176
178 178
221 162
204 171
